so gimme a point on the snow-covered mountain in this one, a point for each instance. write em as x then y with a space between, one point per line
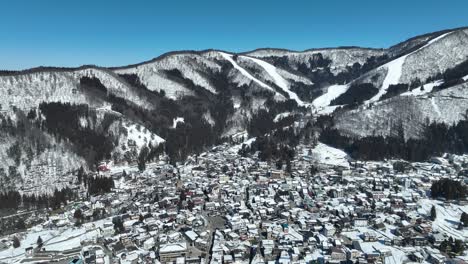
218 94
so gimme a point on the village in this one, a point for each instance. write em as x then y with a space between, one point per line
221 207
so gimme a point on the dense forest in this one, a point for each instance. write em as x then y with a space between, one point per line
356 94
437 139
64 121
14 200
449 189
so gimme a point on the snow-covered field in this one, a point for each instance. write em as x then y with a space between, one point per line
448 217
53 239
141 135
326 155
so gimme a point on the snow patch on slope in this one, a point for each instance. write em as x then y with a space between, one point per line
326 155
278 117
176 121
208 118
436 107
427 88
142 136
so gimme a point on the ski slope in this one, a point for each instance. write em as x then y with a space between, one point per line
394 70
244 72
332 93
279 80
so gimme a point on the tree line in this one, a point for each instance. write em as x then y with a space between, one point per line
438 138
14 200
449 189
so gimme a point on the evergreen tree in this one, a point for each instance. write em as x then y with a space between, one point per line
16 242
142 158
118 225
39 242
78 215
464 219
433 213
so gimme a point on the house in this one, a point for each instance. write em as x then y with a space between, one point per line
149 243
360 222
369 236
268 246
437 239
329 230
338 254
170 252
76 261
437 258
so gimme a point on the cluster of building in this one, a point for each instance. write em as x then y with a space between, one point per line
220 207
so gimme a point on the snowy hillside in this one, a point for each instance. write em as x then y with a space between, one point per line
203 97
325 155
340 57
446 106
191 65
434 57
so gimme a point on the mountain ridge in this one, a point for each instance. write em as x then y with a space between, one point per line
183 102
165 54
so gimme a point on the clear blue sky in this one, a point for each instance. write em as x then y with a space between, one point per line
112 33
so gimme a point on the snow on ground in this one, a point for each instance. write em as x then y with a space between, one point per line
247 143
278 117
72 240
279 80
108 108
465 78
177 120
141 135
427 88
436 107
209 119
327 110
130 168
29 240
53 239
326 155
332 92
448 217
244 72
396 257
394 70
